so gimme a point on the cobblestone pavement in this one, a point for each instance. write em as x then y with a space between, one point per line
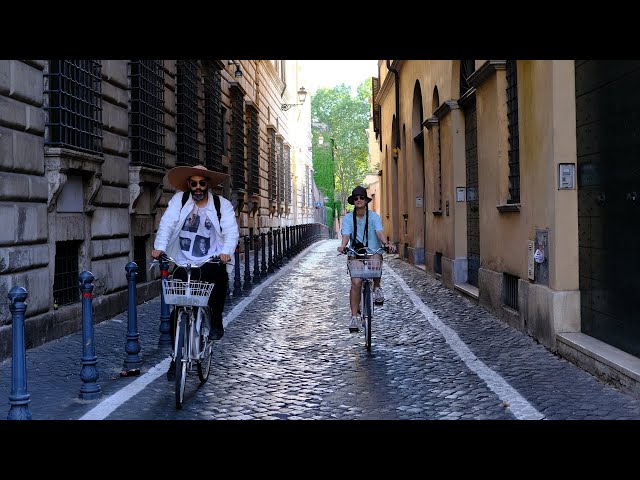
287 354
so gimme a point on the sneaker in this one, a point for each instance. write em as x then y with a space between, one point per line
378 296
354 325
171 373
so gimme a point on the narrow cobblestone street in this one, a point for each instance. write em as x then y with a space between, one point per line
435 355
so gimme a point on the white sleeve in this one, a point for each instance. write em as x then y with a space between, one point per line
168 222
229 224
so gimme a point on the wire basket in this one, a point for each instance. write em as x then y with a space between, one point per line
365 267
193 293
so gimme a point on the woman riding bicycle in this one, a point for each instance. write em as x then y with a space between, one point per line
192 225
368 232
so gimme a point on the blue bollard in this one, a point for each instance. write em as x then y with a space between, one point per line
165 310
247 270
132 347
256 262
263 266
270 264
19 398
237 285
90 389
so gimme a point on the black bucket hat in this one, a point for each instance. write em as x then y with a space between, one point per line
359 190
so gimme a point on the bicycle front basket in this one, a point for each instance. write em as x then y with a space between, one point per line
365 268
193 293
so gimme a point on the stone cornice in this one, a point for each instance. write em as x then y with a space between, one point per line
445 108
431 122
388 81
485 71
237 86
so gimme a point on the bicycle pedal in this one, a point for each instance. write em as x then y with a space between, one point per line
353 330
378 303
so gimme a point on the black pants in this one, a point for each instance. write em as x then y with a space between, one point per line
210 272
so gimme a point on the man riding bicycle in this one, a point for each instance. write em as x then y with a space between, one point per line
192 222
362 229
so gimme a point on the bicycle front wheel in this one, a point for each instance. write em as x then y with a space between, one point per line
367 313
206 345
181 355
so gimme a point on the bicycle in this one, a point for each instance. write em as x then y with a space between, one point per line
192 346
366 267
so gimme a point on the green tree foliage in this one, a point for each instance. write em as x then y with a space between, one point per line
342 119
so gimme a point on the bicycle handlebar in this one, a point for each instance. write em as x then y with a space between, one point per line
166 258
364 251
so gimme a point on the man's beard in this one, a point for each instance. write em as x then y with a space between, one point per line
199 194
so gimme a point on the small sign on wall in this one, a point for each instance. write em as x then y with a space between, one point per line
419 202
566 176
460 194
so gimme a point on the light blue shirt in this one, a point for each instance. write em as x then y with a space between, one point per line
375 225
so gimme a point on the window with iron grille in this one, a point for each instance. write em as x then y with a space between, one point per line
439 168
140 257
467 67
238 162
273 166
74 105
514 137
305 195
65 278
510 291
213 127
281 178
287 175
146 114
187 112
254 151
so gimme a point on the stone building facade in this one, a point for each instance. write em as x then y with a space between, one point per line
515 182
84 148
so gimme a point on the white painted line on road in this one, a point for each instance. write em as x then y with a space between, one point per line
104 408
108 405
518 405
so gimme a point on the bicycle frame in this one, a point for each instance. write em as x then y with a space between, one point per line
191 344
366 275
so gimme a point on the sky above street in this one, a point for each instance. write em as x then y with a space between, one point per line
329 73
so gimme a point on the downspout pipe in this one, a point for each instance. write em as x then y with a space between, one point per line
397 85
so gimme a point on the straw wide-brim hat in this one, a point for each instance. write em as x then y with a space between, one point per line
359 190
178 176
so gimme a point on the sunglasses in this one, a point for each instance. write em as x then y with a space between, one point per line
360 197
194 184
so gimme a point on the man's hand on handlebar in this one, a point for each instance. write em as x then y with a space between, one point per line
156 253
224 258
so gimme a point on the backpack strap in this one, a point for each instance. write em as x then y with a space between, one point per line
365 238
216 202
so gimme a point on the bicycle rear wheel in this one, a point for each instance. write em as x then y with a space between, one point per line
366 314
206 345
181 353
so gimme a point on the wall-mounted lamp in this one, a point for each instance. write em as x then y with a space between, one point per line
238 73
302 96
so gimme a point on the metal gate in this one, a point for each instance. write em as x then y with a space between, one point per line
608 156
473 205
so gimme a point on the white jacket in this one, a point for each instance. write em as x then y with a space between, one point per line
175 215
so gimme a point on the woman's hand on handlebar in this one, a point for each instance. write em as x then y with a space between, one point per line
225 258
156 253
390 247
341 248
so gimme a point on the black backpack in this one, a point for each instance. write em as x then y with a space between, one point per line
216 202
